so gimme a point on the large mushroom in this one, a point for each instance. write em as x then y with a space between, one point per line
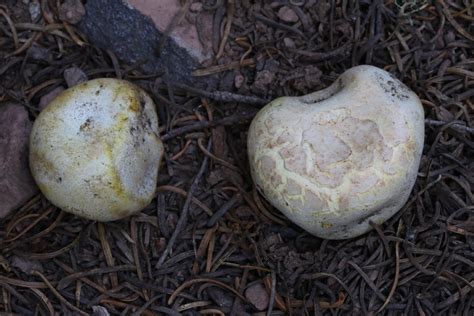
95 150
335 159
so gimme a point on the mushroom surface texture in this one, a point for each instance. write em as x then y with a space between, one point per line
95 150
335 159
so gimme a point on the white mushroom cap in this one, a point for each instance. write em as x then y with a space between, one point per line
95 150
333 160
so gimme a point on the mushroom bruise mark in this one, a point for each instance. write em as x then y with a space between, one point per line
86 126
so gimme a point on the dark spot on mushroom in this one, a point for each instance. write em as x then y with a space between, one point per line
86 125
394 88
60 179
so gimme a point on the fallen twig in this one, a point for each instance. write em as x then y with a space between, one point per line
222 96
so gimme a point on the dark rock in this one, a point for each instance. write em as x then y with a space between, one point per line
220 297
110 24
16 183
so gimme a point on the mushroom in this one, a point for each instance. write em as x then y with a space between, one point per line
95 150
336 159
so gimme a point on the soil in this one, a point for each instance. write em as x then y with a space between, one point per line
209 243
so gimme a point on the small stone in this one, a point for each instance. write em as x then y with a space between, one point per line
258 296
37 52
98 310
289 42
35 10
220 297
239 80
74 76
287 14
48 97
72 11
16 183
196 7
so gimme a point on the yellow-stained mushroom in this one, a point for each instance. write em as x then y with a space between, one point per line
335 159
95 150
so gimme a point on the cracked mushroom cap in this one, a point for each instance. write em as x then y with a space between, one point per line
335 159
95 150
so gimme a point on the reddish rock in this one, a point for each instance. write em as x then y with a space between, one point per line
258 296
16 184
186 34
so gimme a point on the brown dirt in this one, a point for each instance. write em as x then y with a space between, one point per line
208 236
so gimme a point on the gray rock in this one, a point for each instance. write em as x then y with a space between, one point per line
16 183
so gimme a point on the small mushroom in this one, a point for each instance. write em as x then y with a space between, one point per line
335 159
95 150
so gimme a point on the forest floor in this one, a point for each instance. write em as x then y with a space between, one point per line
217 247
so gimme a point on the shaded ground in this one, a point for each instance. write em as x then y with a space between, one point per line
231 242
